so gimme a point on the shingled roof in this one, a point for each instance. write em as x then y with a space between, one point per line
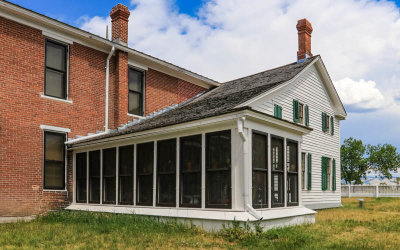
220 100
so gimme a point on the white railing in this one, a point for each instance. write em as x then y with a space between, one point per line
370 191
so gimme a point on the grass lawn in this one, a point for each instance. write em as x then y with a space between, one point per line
348 227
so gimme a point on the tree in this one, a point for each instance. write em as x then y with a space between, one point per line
383 159
353 163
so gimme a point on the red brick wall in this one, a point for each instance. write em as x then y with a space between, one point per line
22 111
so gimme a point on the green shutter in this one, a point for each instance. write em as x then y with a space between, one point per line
277 111
280 112
333 174
332 126
307 116
296 115
309 164
323 122
323 173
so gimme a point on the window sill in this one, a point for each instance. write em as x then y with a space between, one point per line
55 190
55 98
136 116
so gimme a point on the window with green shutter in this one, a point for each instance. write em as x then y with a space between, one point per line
333 174
309 164
332 126
277 111
307 115
296 111
324 163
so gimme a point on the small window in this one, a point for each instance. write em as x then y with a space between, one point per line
327 123
136 92
292 173
144 174
301 113
125 182
260 170
56 70
218 170
277 172
81 180
303 170
109 175
166 173
54 160
190 171
94 177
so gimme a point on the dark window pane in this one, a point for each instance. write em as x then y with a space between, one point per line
292 173
94 176
55 56
190 171
126 175
144 175
109 173
291 157
218 170
54 175
260 168
81 174
135 80
166 173
54 163
55 83
292 187
135 103
54 147
277 185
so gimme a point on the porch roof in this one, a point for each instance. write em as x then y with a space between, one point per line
218 101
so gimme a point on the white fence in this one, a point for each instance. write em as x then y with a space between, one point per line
370 191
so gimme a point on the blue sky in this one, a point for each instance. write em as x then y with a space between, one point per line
229 39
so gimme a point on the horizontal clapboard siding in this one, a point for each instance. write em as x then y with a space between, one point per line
309 90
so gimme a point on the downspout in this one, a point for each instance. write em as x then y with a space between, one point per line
107 87
247 206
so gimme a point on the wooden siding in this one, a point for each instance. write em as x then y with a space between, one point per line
309 90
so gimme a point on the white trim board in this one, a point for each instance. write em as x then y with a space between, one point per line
55 129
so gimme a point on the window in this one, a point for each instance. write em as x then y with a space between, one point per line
166 173
277 173
56 70
332 125
94 176
190 171
54 160
301 113
109 174
260 170
303 170
292 173
136 91
81 180
309 171
125 181
328 174
277 111
325 173
144 174
325 122
218 170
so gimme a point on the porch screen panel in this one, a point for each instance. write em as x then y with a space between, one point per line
144 174
81 180
125 181
260 170
218 170
277 185
292 173
190 171
94 176
166 173
109 175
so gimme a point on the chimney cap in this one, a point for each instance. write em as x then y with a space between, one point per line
120 11
303 25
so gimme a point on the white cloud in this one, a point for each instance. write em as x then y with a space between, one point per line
360 95
358 39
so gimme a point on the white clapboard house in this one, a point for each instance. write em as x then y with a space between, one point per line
263 148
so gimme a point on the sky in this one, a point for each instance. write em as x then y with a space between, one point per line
359 41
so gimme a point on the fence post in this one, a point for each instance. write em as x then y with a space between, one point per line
377 191
349 190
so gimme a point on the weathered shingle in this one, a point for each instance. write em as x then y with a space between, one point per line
218 101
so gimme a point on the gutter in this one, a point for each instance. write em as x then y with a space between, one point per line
106 130
247 206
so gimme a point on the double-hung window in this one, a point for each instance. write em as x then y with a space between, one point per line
303 170
56 70
292 173
54 160
277 172
136 92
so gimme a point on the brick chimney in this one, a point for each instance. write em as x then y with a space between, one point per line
304 29
119 23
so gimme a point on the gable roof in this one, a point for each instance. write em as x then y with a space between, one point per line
218 101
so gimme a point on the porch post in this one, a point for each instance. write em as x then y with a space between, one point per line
284 174
299 173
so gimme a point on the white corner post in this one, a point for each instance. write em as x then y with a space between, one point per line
107 87
246 168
